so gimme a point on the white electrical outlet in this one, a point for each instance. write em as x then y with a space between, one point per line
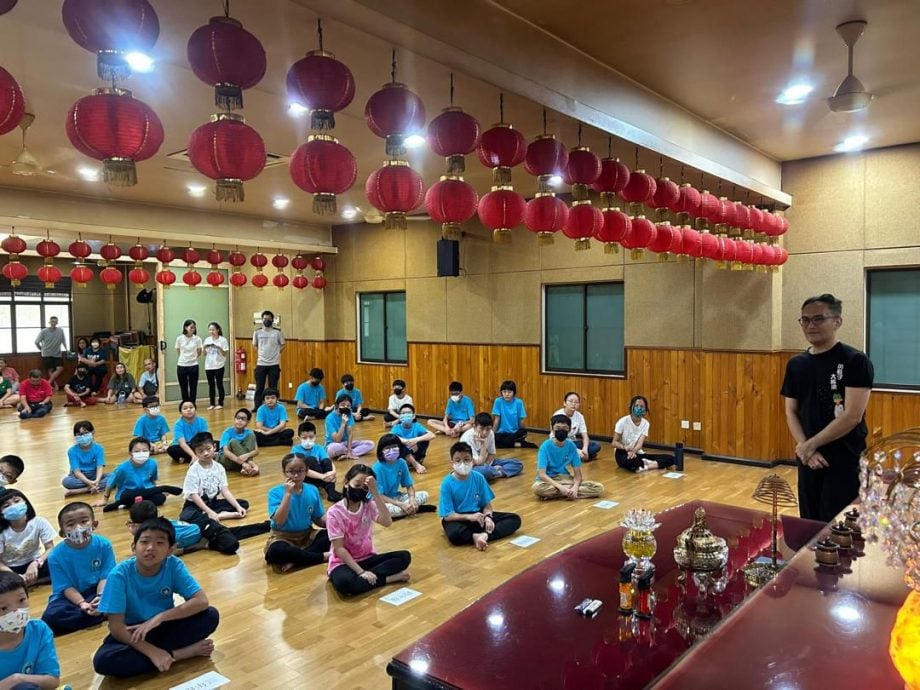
290 385
697 426
685 424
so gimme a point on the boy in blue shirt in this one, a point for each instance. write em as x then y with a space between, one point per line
458 414
87 460
320 472
135 478
152 425
413 436
238 446
28 658
147 632
465 504
185 429
555 457
271 422
79 566
357 400
311 396
509 413
392 473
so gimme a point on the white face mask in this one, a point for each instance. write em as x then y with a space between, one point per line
14 621
153 411
139 457
456 398
79 535
463 468
4 480
308 443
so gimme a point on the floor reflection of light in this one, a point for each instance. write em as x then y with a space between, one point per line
557 584
419 665
496 619
845 613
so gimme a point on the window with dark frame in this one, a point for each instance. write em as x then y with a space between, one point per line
893 326
583 329
382 327
25 310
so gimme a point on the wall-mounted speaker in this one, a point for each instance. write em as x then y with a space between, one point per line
448 258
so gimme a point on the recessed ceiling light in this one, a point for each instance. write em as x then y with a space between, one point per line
555 180
296 109
280 203
139 62
854 142
88 174
348 213
413 141
794 94
197 190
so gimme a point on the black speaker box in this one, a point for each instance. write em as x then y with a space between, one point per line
448 258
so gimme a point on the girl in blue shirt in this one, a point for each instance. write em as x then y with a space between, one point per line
185 428
357 399
87 460
509 413
340 425
28 658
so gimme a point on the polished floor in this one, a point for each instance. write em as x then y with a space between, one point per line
293 630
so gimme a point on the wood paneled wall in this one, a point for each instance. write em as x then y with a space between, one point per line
733 395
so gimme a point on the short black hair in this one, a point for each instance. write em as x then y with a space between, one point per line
151 400
400 383
408 406
460 447
157 524
6 495
270 392
344 397
508 386
347 378
142 511
306 426
636 398
82 426
136 441
357 469
268 313
455 386
834 305
560 419
245 411
575 393
317 373
387 440
484 419
200 439
73 507
15 462
10 582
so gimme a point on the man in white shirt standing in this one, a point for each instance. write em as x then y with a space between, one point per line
269 342
51 342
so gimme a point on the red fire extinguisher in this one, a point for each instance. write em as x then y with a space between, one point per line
239 360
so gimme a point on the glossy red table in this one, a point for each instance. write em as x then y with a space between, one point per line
525 634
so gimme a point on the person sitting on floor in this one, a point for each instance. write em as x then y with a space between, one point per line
272 421
28 659
357 400
392 473
152 426
238 446
587 449
340 430
207 493
556 455
413 436
26 539
87 463
78 389
135 479
481 439
458 413
185 429
630 433
397 400
510 413
122 388
311 396
34 396
320 472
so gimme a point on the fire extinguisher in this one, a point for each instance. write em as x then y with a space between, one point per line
239 360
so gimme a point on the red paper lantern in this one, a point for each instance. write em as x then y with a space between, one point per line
214 257
726 253
117 129
710 207
238 279
48 249
111 29
710 245
300 262
452 135
165 277
111 276
259 260
394 112
215 278
616 226
501 148
236 258
546 158
641 234
692 241
395 189
319 282
165 255
667 193
614 176
688 201
324 168
81 275
322 84
138 276
639 189
769 224
280 261
664 238
279 280
727 216
191 278
451 202
191 256
79 249
12 103
229 58
15 272
501 210
742 216
229 151
139 253
583 222
49 274
110 252
318 263
582 170
756 218
259 280
758 256
783 225
783 255
300 282
6 6
545 215
744 251
13 245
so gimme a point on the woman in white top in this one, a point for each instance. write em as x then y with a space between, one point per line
578 434
189 347
216 348
630 433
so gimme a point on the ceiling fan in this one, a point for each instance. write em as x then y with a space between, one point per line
26 164
374 217
851 95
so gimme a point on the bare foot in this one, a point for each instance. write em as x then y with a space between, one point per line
74 492
287 567
202 648
481 541
399 577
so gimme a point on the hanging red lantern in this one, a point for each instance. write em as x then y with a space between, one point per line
664 238
280 261
319 282
324 168
613 178
545 159
783 226
48 274
709 245
451 202
238 279
300 262
639 189
15 272
224 55
582 170
215 278
318 263
79 249
756 219
452 135
394 112
783 255
300 281
229 151
236 259
545 215
726 253
692 241
165 254
744 253
111 29
688 202
395 189
139 253
641 234
111 276
110 252
727 215
502 209
259 280
165 277
48 249
12 103
6 6
279 280
259 260
191 278
616 226
667 193
769 224
214 257
501 148
81 274
321 84
138 276
757 258
583 223
710 208
13 245
742 216
117 129
191 256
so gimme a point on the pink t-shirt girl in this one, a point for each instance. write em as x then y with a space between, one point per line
355 528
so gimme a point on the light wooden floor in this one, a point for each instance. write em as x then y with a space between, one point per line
294 631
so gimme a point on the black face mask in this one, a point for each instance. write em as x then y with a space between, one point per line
397 391
344 411
560 434
356 495
349 386
267 323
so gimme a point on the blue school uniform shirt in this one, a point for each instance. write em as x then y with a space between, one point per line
311 396
355 394
130 477
270 417
187 534
460 411
35 655
187 430
151 428
303 510
86 459
232 434
413 431
79 568
318 451
140 598
391 476
463 496
333 423
554 459
511 414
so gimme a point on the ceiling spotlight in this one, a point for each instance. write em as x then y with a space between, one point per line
296 109
138 62
280 203
794 94
555 180
349 213
88 174
853 142
196 190
413 141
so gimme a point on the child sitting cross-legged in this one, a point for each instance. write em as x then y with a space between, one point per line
238 446
272 422
207 493
320 472
26 539
414 437
136 478
152 425
556 455
87 461
392 474
340 432
481 439
28 659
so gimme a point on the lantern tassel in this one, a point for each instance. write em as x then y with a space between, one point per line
582 244
545 238
636 254
543 183
501 176
501 236
322 119
456 164
324 204
119 172
230 189
395 220
611 248
579 192
228 96
451 231
395 145
111 65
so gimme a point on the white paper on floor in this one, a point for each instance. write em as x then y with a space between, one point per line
211 679
401 596
673 475
605 505
524 541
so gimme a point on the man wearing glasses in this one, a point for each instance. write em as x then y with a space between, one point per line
826 390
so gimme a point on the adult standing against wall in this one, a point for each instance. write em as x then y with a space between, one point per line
826 391
51 342
269 342
216 348
189 347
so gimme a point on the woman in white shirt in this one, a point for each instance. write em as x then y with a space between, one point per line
189 347
578 434
630 433
216 348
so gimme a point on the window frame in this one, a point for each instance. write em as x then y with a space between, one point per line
903 387
544 351
359 332
32 285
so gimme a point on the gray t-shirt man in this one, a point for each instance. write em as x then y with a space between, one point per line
268 342
51 341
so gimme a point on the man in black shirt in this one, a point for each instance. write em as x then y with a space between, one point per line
826 390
